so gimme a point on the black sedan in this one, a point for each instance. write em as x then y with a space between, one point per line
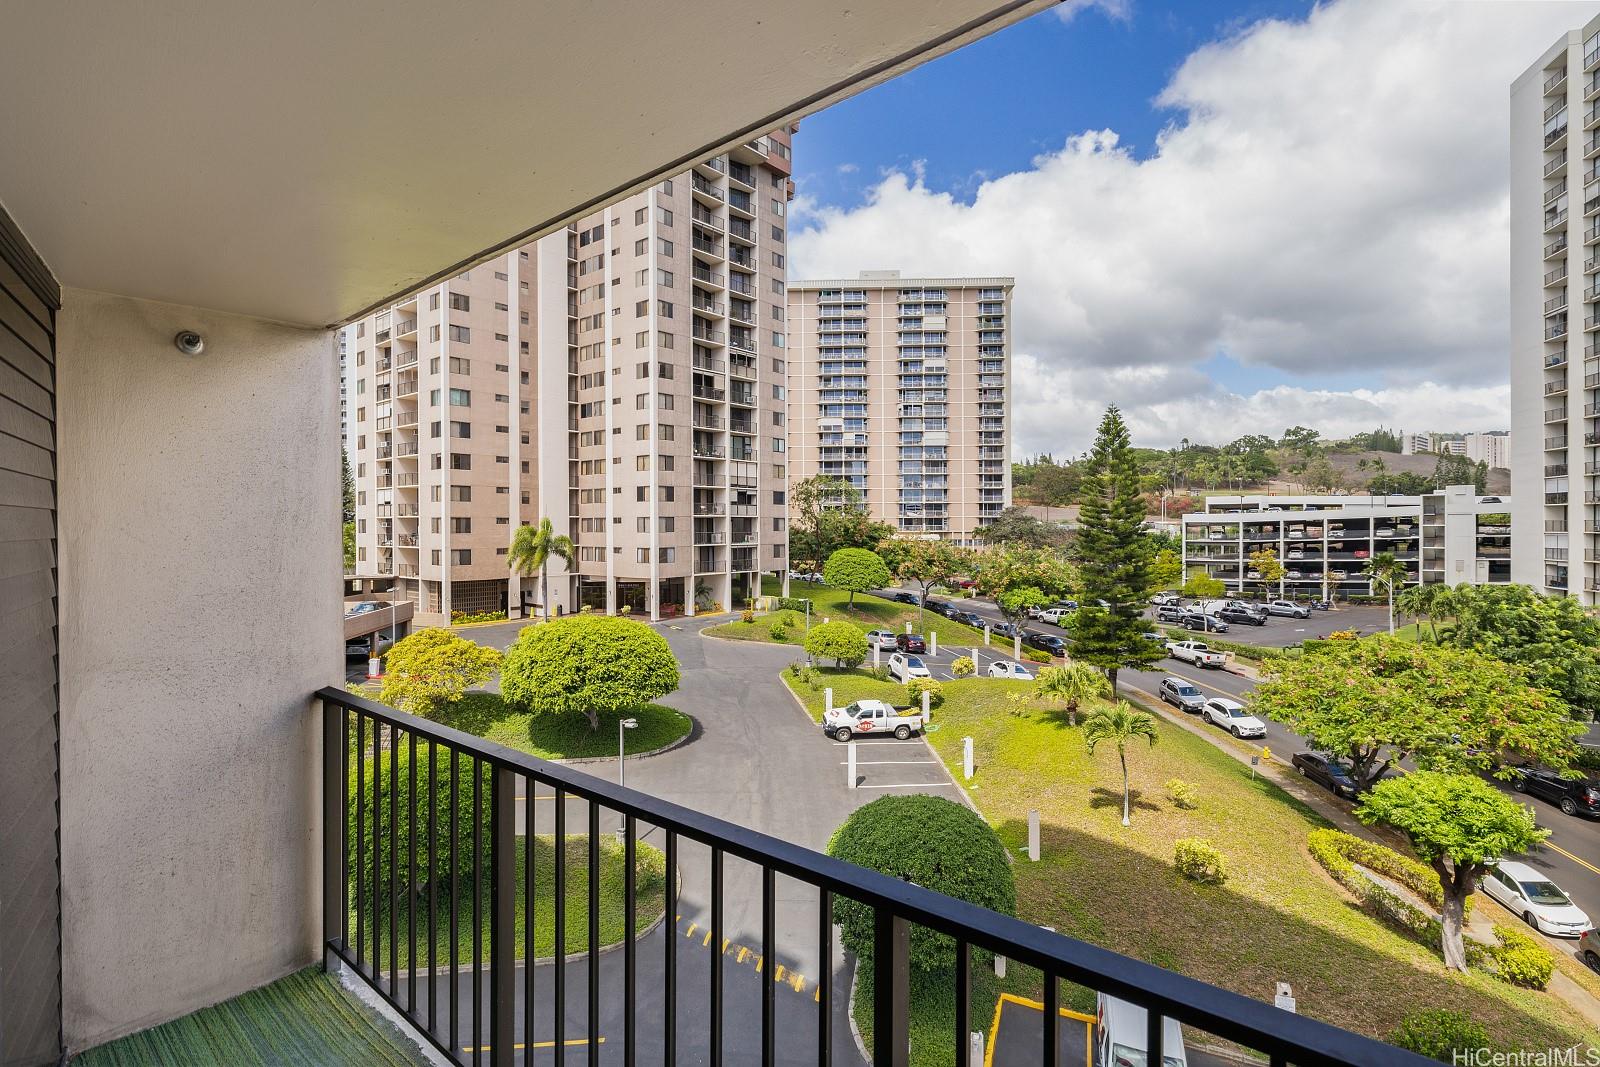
1326 772
904 598
1046 643
1573 796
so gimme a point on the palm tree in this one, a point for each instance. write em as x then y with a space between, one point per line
1383 569
1072 685
532 548
1119 724
1426 602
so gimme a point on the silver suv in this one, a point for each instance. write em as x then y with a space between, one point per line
1181 694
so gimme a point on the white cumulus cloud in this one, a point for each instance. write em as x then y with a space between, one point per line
1329 197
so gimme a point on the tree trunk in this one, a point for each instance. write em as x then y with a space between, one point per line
1111 674
1072 712
544 590
1123 756
1456 889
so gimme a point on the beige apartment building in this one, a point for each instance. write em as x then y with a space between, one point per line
902 387
624 379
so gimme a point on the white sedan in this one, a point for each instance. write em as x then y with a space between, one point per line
1231 716
1539 901
904 667
1007 669
883 639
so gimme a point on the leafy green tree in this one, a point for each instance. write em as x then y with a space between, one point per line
1202 586
1451 469
923 562
1459 825
1386 573
827 514
1380 700
1115 560
348 489
1003 572
349 548
1300 439
432 668
444 860
858 570
1429 602
1014 603
1071 684
532 549
1551 637
1121 724
1379 440
1264 561
934 842
843 642
1166 569
1014 526
1401 484
587 665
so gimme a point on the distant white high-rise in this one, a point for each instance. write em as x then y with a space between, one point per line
1491 448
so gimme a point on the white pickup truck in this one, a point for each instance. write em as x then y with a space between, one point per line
1195 652
872 718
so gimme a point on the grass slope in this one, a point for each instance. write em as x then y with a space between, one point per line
1279 917
650 882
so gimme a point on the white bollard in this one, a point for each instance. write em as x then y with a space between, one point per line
1016 648
876 654
1033 834
850 763
999 966
827 700
975 1049
374 669
927 707
966 757
933 642
908 627
986 636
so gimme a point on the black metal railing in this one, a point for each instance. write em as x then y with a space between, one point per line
377 880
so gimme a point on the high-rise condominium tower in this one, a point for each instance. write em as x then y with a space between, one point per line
902 387
1555 317
624 379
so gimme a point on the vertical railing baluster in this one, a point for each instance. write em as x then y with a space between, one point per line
433 886
1052 1021
361 839
769 964
411 881
559 984
963 1000
824 977
529 954
335 794
394 862
594 934
630 968
455 899
669 967
1153 1035
503 917
477 910
716 956
377 850
891 999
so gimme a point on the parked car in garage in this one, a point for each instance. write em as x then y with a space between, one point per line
1574 796
1540 903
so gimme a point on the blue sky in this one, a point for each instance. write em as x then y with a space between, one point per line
959 116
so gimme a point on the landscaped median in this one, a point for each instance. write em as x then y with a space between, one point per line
786 624
1276 916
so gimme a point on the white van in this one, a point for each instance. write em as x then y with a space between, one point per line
1120 1036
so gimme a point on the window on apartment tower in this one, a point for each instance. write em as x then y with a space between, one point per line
461 557
664 308
664 246
777 259
460 398
461 429
664 340
433 332
664 370
461 334
462 302
460 461
460 494
461 525
641 246
777 234
664 216
641 309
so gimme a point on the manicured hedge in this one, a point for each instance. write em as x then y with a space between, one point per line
933 842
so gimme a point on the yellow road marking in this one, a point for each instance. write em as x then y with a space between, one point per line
1580 862
1068 1013
744 954
569 1042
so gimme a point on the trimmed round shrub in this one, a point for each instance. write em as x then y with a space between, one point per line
1521 960
586 665
439 854
778 630
1440 1034
917 686
936 843
962 667
843 642
433 667
1199 861
1183 794
856 570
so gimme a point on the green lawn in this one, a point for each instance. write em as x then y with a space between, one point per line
563 736
1278 918
650 882
870 613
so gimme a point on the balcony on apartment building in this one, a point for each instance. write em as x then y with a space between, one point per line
306 840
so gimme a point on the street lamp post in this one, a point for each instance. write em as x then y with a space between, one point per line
622 762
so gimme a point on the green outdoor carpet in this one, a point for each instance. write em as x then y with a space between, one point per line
304 1020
